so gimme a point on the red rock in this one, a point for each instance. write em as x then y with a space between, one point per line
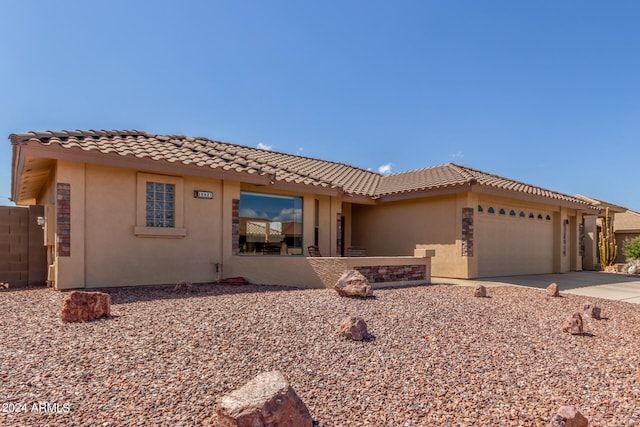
183 287
591 310
553 290
234 281
569 416
354 328
573 325
85 306
266 400
480 291
353 284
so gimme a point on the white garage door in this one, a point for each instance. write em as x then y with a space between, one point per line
510 242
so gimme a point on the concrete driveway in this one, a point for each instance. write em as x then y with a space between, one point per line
619 287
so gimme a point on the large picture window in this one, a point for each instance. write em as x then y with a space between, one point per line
270 224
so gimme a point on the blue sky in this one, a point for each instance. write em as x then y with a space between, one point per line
545 92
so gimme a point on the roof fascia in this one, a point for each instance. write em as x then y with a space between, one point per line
419 194
146 164
534 198
17 166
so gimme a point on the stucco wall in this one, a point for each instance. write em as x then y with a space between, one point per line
397 228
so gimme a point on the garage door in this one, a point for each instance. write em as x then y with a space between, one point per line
511 241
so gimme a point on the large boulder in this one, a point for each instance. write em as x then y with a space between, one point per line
573 325
353 284
266 400
568 416
354 328
85 306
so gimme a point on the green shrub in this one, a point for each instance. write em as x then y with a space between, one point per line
631 248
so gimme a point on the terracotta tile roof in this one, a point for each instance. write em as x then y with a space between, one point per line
281 167
452 175
203 152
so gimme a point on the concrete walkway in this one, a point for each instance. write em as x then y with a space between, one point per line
596 284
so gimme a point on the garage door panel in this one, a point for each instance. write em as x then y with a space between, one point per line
509 246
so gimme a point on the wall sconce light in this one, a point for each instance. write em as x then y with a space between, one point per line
41 221
566 221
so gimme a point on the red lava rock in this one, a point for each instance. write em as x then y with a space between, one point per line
354 328
574 325
352 283
85 306
569 416
553 290
591 310
183 286
480 291
234 281
266 400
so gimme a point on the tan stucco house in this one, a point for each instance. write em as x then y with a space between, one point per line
135 208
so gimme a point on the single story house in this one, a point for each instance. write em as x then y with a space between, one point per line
134 208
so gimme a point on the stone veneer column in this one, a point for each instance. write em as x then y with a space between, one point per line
467 232
235 226
339 234
63 219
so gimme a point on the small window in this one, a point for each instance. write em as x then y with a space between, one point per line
502 212
522 214
548 218
531 215
491 210
512 213
539 216
480 208
160 204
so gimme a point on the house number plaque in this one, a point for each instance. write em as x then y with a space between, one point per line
199 194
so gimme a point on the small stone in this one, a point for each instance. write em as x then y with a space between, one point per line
352 283
85 306
480 291
591 310
354 328
553 290
183 287
573 325
266 400
568 416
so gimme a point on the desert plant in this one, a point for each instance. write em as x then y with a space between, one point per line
631 248
607 243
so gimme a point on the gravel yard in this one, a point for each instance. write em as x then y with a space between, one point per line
439 357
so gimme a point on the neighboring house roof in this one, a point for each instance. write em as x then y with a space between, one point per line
628 221
602 204
205 157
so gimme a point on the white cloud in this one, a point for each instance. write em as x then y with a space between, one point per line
457 155
264 146
385 169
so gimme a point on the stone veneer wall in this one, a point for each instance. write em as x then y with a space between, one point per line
393 273
63 218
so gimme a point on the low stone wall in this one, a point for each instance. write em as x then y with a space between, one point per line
380 271
318 272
